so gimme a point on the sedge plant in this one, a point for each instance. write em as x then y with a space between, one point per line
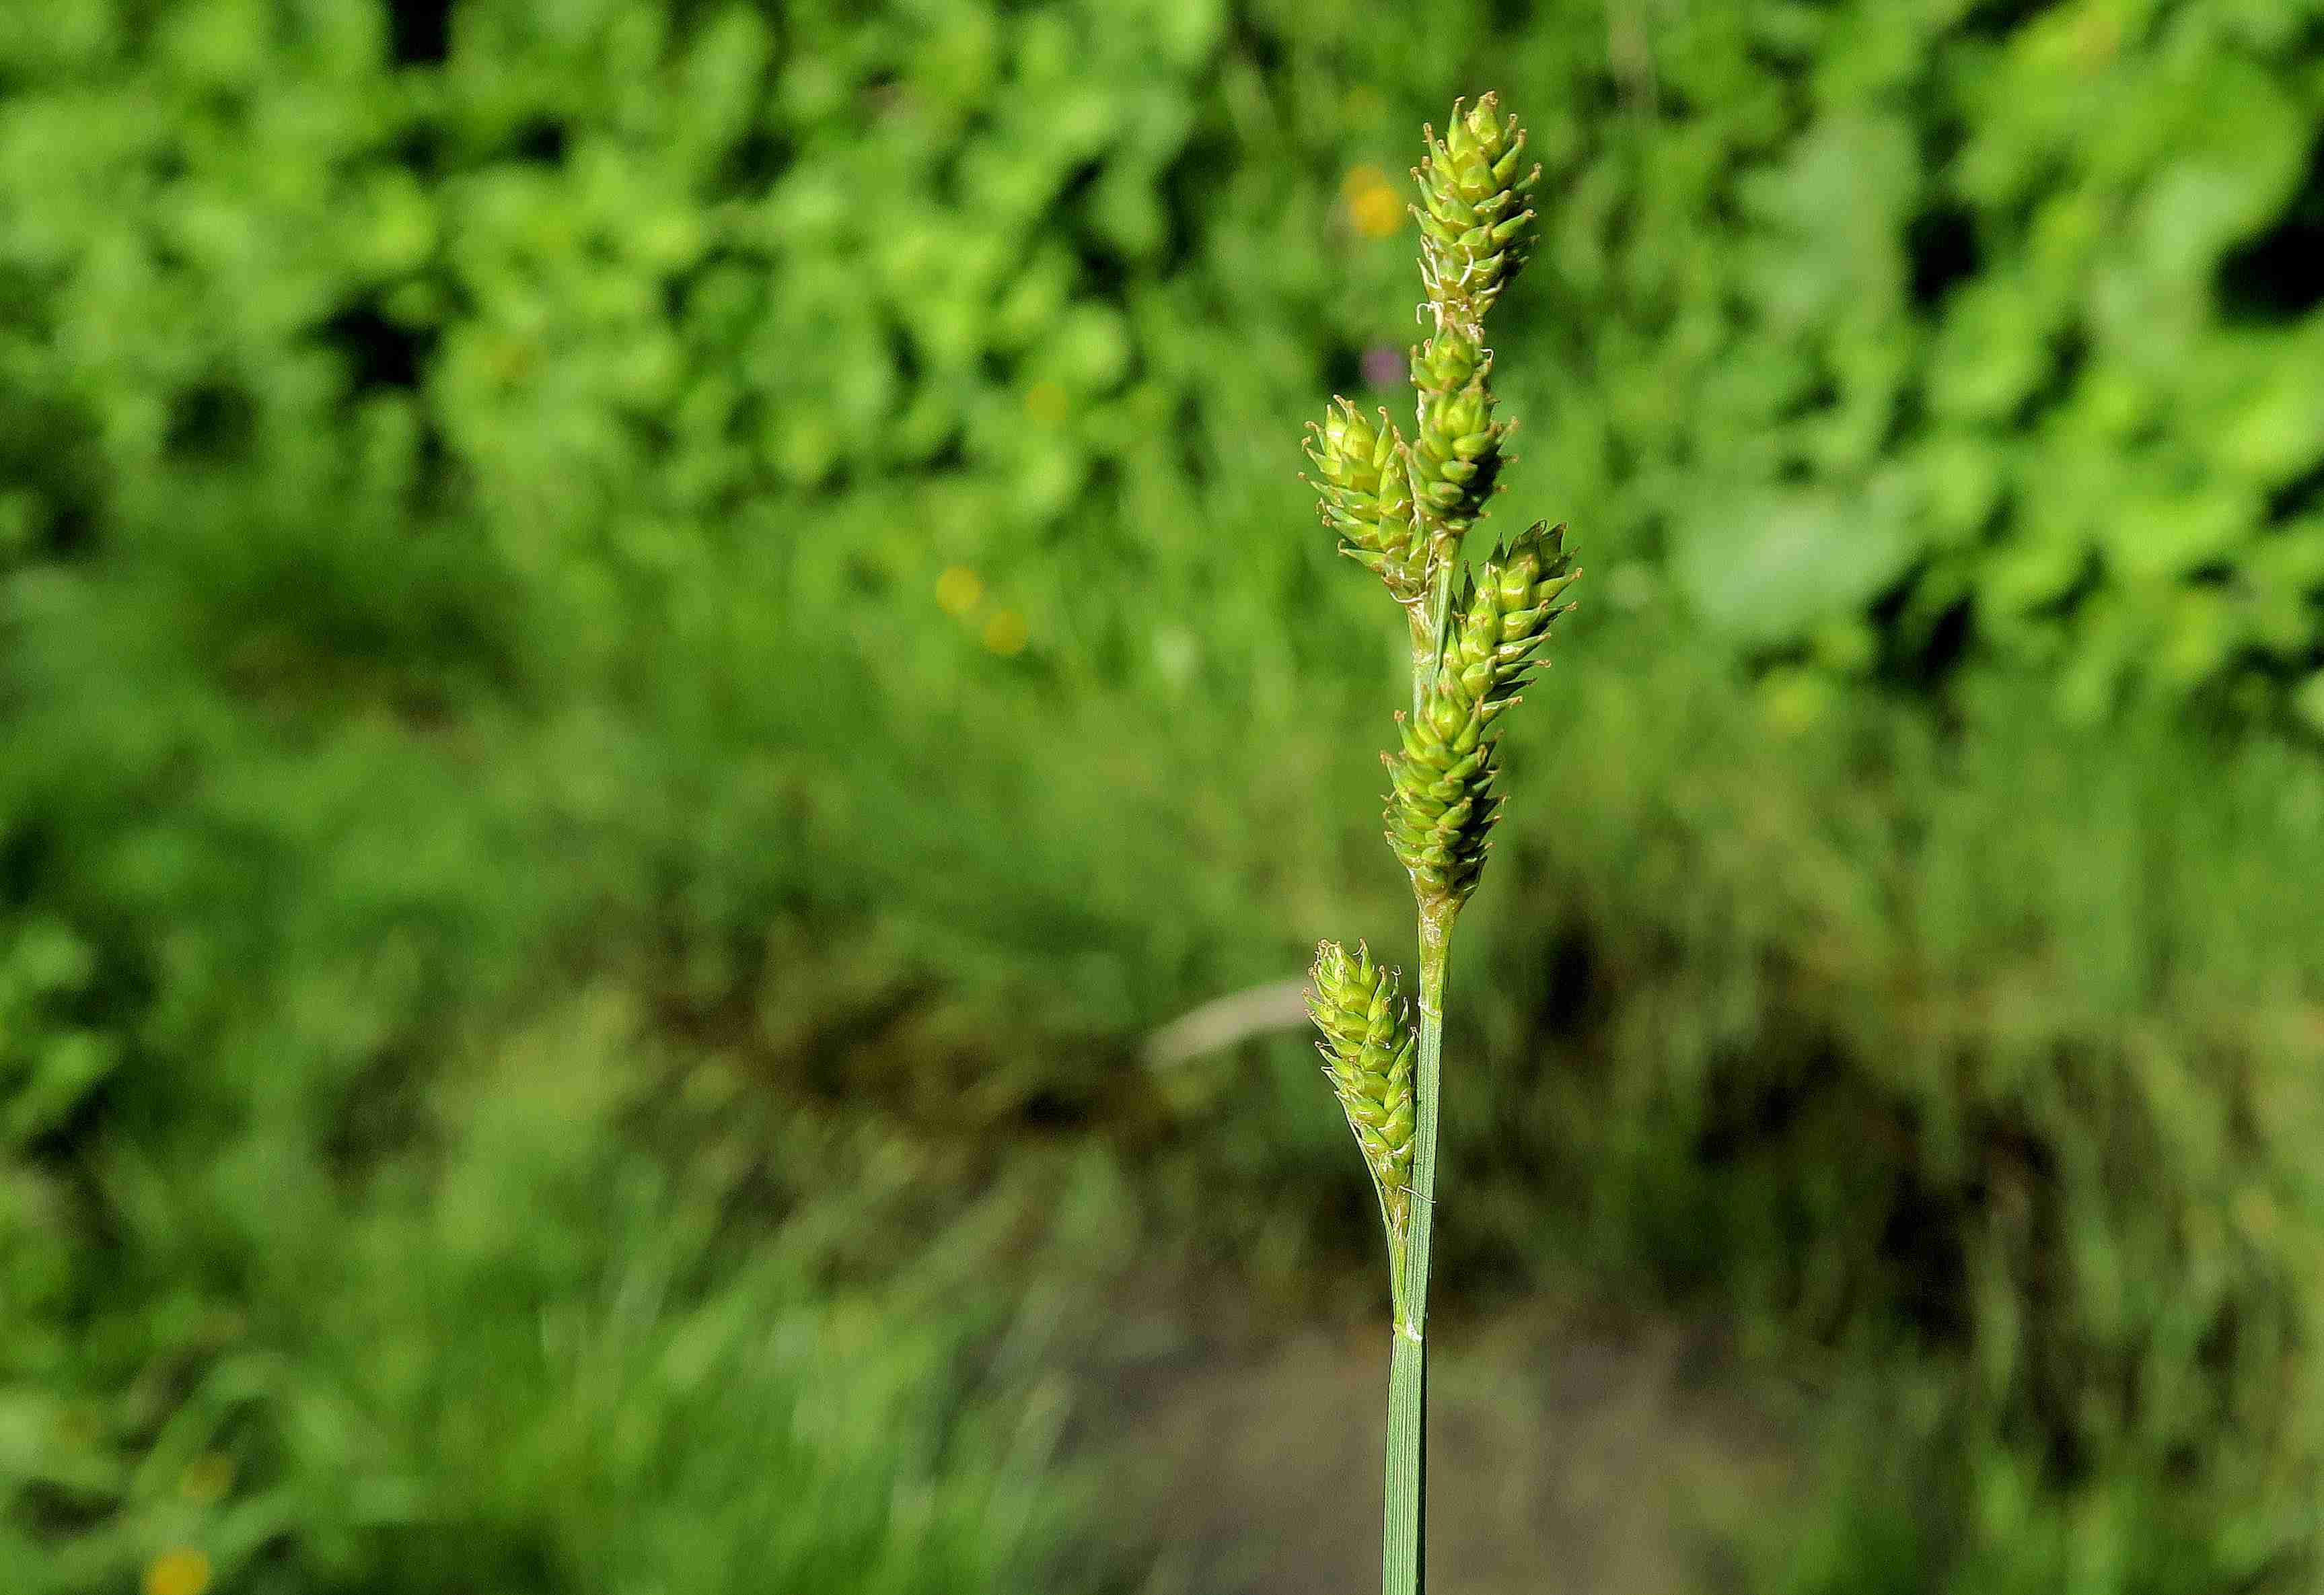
1402 507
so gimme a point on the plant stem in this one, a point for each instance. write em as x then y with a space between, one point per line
1403 1528
1407 1463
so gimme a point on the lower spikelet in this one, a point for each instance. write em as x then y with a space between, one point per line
1441 800
1367 1050
1365 494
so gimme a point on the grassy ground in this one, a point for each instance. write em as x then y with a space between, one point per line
511 1128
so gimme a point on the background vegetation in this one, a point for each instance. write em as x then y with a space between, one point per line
640 639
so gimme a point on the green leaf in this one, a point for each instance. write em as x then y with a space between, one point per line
1771 567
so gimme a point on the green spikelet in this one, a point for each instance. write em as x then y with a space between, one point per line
1365 493
1474 235
1474 232
1441 798
1368 1048
1456 461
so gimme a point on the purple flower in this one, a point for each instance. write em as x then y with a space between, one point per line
1383 365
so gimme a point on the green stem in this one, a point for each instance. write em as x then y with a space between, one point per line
1403 1528
1407 1463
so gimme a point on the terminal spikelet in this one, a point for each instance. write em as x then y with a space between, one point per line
1367 1052
1440 799
1365 495
1475 231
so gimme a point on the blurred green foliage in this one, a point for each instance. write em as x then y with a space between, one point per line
638 640
1889 331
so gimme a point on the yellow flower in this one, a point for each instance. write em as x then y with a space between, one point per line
1372 202
181 1572
1006 633
958 591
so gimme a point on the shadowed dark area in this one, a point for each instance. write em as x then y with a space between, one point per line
2280 274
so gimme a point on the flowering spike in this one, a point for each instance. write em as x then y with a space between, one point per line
1473 235
1473 238
1402 508
1365 495
1368 1051
1441 803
